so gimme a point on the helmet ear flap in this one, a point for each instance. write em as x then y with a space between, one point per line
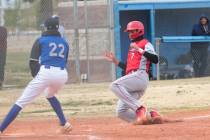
140 32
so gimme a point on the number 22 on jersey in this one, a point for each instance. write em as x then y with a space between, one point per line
54 47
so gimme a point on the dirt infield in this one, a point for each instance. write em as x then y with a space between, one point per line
195 127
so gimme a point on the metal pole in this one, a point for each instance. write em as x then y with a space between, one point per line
152 27
117 48
2 12
110 17
87 41
76 41
157 46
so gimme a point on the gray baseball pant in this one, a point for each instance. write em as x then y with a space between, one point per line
129 89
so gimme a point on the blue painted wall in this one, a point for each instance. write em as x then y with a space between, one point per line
167 22
176 22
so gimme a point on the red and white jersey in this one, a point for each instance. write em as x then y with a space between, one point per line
136 60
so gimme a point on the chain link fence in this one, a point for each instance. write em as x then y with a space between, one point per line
87 25
177 60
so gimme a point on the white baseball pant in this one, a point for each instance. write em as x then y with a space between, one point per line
49 79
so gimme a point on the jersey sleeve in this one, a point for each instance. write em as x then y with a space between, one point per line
35 51
149 48
34 58
150 53
122 65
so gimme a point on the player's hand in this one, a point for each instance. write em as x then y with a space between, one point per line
133 45
136 47
111 57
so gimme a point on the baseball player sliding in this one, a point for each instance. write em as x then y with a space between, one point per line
48 61
131 87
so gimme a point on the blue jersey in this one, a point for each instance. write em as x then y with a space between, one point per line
50 50
54 51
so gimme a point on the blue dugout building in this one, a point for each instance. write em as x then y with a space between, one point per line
161 18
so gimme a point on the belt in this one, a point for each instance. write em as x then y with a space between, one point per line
49 67
132 71
141 70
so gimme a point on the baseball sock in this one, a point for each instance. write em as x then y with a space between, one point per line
10 117
57 108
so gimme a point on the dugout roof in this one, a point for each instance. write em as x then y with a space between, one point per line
161 4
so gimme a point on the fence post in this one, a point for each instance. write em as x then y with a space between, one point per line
87 39
76 41
3 51
152 27
157 47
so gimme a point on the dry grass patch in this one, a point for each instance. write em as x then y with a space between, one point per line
97 99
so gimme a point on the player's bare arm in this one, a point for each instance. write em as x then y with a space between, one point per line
109 56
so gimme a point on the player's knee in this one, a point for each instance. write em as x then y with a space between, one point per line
120 111
20 104
49 96
23 101
121 115
113 86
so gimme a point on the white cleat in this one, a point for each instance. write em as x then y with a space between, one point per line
66 129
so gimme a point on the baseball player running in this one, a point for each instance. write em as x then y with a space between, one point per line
130 88
48 61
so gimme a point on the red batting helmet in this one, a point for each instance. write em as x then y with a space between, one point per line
136 25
